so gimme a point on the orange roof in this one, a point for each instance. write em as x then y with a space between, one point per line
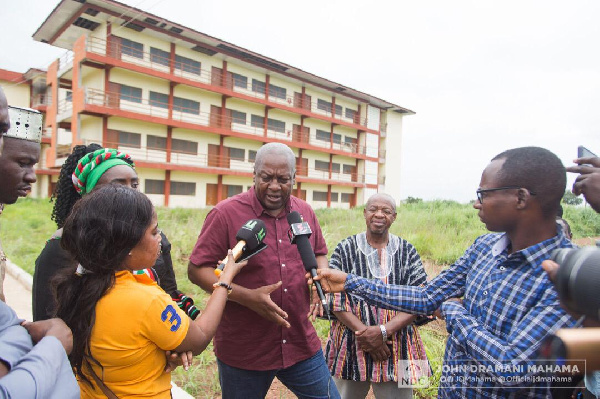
11 76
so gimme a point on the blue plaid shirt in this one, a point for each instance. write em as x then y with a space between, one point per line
509 306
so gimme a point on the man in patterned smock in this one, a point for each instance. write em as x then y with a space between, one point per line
366 341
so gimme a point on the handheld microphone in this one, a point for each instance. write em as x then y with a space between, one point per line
250 242
300 232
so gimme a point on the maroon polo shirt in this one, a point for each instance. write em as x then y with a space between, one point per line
244 339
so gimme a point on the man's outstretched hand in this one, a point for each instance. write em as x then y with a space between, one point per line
332 280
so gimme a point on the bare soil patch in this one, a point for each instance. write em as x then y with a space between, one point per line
586 241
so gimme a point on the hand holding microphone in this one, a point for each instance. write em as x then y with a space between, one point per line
231 270
250 242
332 279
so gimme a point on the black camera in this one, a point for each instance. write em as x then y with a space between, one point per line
577 282
578 279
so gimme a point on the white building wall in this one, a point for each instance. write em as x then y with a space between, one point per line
373 117
372 143
188 201
201 181
16 95
90 130
393 161
310 189
153 174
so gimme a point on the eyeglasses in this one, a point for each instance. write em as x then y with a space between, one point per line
482 191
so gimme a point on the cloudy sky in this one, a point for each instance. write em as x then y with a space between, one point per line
483 76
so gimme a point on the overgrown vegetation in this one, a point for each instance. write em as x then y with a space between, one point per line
440 230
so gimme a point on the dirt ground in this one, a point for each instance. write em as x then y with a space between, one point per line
586 241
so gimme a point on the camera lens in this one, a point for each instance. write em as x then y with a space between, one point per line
578 279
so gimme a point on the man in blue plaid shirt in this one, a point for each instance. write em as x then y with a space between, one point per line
508 303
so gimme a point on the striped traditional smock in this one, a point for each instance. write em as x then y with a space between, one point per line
400 265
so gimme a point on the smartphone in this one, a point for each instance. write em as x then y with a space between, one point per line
583 152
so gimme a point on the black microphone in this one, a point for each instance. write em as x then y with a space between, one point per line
300 233
250 242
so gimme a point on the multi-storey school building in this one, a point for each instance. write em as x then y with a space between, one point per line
192 110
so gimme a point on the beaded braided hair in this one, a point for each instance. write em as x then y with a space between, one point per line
64 195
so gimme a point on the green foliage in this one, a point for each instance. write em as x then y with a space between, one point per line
24 229
202 378
413 200
584 222
571 199
435 345
440 230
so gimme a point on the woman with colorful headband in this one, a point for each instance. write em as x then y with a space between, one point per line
88 168
123 324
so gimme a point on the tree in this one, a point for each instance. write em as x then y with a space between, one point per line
571 199
413 200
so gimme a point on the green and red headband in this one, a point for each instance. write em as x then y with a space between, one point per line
92 166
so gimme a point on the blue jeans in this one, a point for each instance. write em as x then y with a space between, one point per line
308 379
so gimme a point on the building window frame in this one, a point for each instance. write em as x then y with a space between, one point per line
153 186
322 166
258 86
181 146
251 155
277 92
276 125
237 154
188 65
132 48
130 93
156 142
160 100
238 117
182 188
240 81
129 139
186 105
257 121
161 57
320 196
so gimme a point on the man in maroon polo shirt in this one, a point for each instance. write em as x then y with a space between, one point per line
265 332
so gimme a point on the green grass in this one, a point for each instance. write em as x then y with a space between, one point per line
440 230
435 344
24 229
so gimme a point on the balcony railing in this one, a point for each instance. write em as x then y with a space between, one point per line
159 155
383 127
115 100
65 62
41 100
215 77
65 107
